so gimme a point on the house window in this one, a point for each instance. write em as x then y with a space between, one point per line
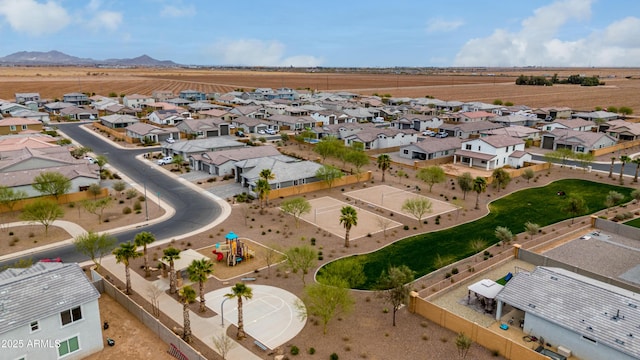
72 315
580 149
467 147
35 326
479 147
24 127
406 151
12 127
68 346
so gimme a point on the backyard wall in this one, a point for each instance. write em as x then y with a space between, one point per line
615 148
115 133
62 199
318 185
150 321
480 335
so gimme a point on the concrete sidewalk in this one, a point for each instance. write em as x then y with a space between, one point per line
205 329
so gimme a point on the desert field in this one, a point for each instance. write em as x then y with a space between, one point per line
484 85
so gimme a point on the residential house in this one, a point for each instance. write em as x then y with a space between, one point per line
621 129
19 167
78 113
480 106
380 138
552 113
516 131
55 107
468 130
577 141
217 113
180 102
250 125
31 140
200 106
341 131
118 121
150 133
166 117
603 116
492 152
14 125
137 101
198 146
192 95
252 111
162 95
22 98
7 107
222 162
76 99
43 117
204 128
417 122
572 124
282 93
362 114
284 122
430 148
330 117
472 116
287 171
516 119
590 319
117 109
102 103
49 311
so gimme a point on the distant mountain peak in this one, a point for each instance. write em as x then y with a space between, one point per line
55 57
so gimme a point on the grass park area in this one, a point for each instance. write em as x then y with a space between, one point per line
541 206
634 223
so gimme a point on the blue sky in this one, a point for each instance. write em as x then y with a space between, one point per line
331 33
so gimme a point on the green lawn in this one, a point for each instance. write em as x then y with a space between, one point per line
537 205
634 223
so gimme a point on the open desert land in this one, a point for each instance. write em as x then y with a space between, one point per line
486 85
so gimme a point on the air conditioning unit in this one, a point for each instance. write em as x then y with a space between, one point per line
564 351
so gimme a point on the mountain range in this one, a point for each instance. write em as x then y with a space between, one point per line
55 57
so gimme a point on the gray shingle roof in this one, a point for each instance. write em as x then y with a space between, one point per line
588 307
41 291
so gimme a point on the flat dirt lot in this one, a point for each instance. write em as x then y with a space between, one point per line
463 85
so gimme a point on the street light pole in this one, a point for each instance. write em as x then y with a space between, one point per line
146 203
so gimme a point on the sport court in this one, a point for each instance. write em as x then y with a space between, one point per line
270 316
325 214
391 198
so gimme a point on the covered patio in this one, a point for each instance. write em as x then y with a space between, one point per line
485 292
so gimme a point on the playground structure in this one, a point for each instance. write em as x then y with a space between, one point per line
233 251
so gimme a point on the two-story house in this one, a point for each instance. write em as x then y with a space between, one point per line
192 95
492 152
22 98
137 101
76 99
49 311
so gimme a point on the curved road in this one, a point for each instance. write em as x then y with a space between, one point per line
193 209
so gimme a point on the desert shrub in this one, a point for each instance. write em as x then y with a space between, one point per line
137 206
333 356
126 210
141 198
295 350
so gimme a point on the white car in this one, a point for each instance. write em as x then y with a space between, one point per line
170 140
428 133
261 132
165 160
271 131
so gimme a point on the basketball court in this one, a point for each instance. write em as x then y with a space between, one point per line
325 214
391 198
270 316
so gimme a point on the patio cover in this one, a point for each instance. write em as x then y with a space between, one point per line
486 287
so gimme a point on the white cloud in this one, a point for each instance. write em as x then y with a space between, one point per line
174 11
33 17
539 43
441 25
252 52
109 20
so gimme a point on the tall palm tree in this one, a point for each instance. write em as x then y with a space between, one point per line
262 188
239 291
479 186
613 159
199 271
267 175
637 162
623 159
348 218
384 163
171 254
143 239
187 296
124 254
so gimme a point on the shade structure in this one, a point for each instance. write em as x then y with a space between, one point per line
486 288
231 236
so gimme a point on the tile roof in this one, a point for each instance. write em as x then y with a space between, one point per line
40 291
605 313
18 121
249 152
432 145
586 138
500 141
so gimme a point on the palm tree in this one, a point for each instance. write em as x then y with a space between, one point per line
199 271
171 254
266 174
479 186
384 163
187 296
624 159
239 291
143 239
613 159
262 188
637 162
348 218
124 254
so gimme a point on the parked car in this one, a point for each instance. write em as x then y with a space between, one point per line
271 131
261 132
239 134
442 134
170 140
428 133
165 160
